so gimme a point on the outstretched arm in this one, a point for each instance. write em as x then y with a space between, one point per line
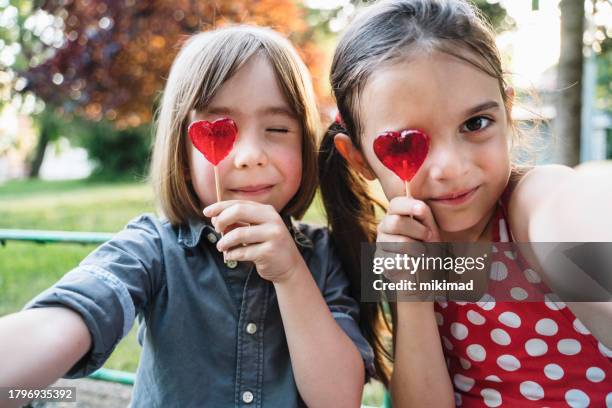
558 204
38 346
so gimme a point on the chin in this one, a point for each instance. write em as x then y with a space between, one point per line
456 223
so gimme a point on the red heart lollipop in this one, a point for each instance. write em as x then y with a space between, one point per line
215 140
403 153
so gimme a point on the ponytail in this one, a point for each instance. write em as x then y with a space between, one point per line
351 217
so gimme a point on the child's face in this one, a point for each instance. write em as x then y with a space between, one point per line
265 164
461 109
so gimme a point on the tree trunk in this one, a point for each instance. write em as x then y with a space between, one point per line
41 147
569 82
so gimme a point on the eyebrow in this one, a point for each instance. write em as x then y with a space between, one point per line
277 110
482 107
270 110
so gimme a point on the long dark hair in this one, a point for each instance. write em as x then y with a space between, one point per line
381 34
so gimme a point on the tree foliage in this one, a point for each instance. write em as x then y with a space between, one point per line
115 54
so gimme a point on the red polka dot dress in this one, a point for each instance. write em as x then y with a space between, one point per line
521 354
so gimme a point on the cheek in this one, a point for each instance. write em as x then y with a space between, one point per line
493 157
289 161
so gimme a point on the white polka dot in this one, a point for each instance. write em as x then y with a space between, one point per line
553 371
510 254
458 399
492 398
609 400
500 336
447 343
546 327
464 363
595 374
493 378
579 327
518 293
476 352
576 398
553 302
532 276
461 303
475 317
604 350
442 304
459 331
532 390
508 362
536 347
486 302
499 271
463 383
569 347
510 319
439 319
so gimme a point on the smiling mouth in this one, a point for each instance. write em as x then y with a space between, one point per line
256 189
456 197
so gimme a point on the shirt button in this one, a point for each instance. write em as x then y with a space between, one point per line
232 264
251 328
212 237
247 397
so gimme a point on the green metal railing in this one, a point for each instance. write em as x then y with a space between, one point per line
64 237
87 238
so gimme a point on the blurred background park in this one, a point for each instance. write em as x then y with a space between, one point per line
80 81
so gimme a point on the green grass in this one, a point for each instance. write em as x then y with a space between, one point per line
26 269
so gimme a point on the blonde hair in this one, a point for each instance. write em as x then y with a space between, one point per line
201 67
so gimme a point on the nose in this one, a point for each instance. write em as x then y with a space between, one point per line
249 151
447 161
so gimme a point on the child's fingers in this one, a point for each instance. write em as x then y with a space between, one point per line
243 212
241 236
246 253
419 210
214 209
403 205
394 224
425 215
397 244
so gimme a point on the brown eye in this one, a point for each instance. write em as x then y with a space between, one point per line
475 124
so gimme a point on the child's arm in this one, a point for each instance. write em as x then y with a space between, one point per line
102 295
420 376
38 346
327 366
559 204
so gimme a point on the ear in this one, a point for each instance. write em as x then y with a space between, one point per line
353 156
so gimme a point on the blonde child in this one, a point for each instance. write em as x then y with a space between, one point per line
433 65
274 324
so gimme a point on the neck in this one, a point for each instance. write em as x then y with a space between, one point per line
482 231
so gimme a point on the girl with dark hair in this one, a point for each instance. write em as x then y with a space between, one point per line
433 65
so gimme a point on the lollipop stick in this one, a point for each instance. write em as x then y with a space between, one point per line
218 191
217 183
407 188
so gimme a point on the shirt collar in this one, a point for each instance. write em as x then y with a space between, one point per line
190 233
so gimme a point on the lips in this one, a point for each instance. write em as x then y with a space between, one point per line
259 188
455 195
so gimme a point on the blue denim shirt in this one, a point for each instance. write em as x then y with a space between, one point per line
211 333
